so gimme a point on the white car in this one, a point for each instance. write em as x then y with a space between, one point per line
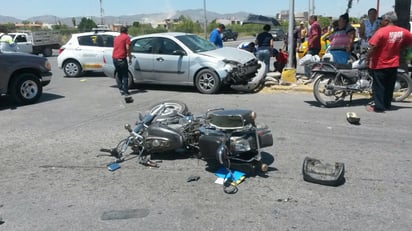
84 52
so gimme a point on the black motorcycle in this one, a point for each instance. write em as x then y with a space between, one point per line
334 82
227 137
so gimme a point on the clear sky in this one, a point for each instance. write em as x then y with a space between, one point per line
23 9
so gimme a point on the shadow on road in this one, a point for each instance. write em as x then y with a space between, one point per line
6 102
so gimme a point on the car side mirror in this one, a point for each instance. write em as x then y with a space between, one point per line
179 52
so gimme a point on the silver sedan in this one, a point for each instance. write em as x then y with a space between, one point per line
187 59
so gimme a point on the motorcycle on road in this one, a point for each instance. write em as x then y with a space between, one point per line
229 137
334 82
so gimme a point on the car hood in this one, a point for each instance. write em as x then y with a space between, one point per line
230 53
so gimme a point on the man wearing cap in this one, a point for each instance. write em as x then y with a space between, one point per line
216 37
383 60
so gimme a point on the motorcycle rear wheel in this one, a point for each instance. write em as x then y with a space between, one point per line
324 92
403 87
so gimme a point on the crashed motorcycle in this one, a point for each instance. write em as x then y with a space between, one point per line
227 137
334 82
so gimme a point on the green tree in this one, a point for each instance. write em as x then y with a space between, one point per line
186 25
324 21
86 24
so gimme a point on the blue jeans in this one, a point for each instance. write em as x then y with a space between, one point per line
340 56
264 56
382 88
122 79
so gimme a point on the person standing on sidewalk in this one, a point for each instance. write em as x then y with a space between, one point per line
314 36
121 51
264 42
383 60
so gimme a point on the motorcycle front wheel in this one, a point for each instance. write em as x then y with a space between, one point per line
172 106
325 92
403 87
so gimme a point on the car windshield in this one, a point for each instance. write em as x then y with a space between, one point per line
196 43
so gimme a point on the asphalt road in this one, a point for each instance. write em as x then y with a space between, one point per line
51 178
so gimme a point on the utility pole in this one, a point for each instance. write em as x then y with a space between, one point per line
205 19
101 12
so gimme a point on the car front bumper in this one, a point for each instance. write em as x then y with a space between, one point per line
46 78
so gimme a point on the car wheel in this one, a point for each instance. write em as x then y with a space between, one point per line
26 89
47 52
72 68
207 82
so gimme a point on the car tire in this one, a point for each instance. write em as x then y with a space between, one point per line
26 89
72 68
207 82
47 52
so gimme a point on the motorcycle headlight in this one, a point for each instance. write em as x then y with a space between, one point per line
239 144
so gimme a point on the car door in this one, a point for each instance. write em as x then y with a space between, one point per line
90 53
23 43
142 60
170 66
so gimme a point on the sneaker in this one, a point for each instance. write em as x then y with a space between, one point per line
371 108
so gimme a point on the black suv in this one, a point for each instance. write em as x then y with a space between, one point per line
22 76
229 34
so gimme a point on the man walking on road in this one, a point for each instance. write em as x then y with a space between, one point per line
121 51
383 60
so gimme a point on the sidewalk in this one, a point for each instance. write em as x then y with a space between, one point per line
274 83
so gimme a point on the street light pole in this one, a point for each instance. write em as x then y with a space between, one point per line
290 32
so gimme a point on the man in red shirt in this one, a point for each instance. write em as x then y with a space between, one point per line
121 51
383 60
314 36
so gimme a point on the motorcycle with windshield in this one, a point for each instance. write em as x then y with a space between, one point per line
228 137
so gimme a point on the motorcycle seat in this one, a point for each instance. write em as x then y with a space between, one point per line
343 66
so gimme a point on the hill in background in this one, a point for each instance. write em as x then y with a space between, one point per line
194 15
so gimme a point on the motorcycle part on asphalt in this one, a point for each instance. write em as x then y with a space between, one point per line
352 118
315 171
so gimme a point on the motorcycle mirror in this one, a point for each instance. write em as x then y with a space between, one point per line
128 127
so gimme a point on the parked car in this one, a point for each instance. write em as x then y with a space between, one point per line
186 59
23 76
84 52
278 34
229 34
324 44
